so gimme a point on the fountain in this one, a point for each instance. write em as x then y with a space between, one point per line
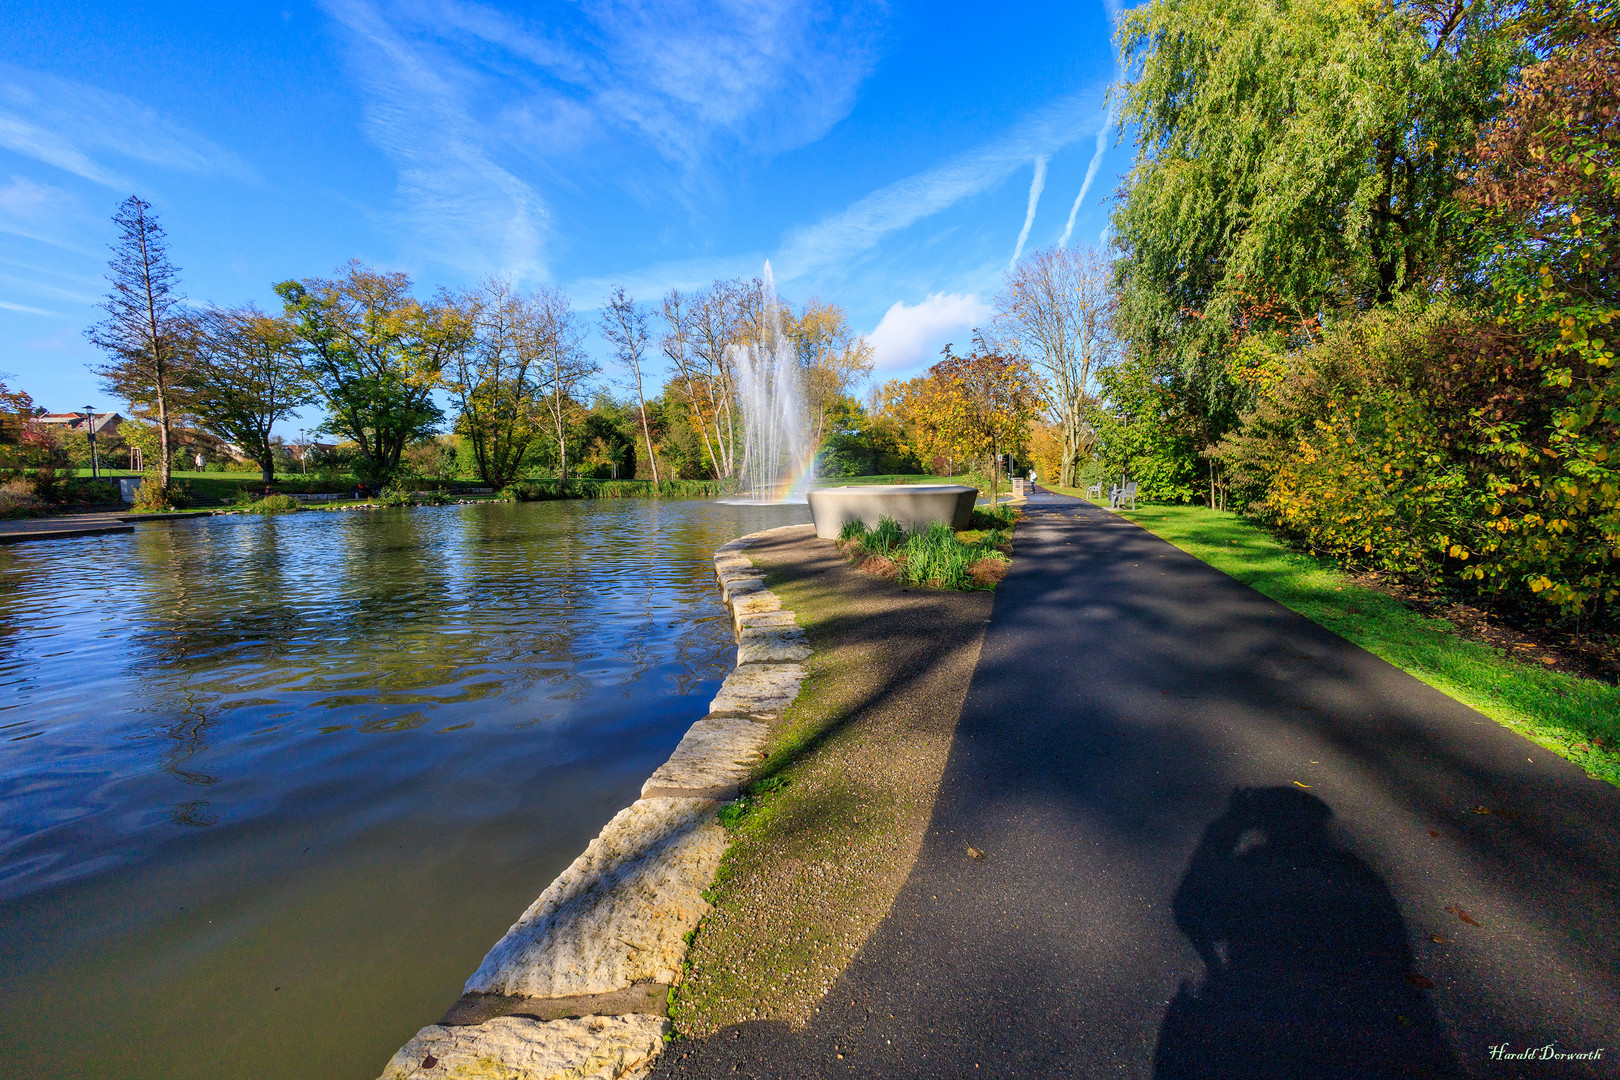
778 460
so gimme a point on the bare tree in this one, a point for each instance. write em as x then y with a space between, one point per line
1056 309
145 331
564 364
699 327
245 377
719 318
624 324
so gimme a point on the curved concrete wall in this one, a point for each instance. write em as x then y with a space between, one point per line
914 506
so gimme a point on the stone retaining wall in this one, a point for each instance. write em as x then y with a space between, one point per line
579 986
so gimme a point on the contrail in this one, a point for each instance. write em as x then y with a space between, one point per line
1091 171
1035 187
1114 14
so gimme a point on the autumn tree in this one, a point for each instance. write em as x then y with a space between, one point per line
495 381
624 324
834 359
375 355
145 331
1056 309
980 404
246 376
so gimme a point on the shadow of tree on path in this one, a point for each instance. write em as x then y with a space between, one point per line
1308 967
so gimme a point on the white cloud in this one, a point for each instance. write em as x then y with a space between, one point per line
1036 185
852 231
85 131
458 94
471 212
7 305
910 334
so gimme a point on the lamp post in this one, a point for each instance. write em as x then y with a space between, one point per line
90 433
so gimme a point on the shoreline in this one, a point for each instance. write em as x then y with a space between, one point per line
580 984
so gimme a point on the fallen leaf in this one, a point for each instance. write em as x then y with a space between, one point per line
1422 982
1433 833
1481 810
1461 914
429 1061
974 853
1440 939
1298 784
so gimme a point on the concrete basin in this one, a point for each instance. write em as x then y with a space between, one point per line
914 506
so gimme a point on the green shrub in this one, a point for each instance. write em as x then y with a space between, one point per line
993 517
272 504
153 498
17 500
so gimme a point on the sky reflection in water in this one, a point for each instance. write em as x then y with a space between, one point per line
270 787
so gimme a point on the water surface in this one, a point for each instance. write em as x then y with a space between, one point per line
270 787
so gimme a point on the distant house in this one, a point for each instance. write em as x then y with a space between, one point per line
106 423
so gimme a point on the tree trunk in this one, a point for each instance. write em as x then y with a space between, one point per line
647 432
164 451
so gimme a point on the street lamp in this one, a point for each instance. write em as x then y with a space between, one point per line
90 425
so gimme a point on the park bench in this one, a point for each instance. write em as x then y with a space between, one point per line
1094 492
1118 496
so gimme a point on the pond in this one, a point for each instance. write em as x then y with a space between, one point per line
271 787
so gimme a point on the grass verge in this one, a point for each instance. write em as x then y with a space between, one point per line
824 838
1574 717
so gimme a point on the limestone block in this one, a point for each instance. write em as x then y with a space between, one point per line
732 588
619 914
763 619
754 604
518 1048
758 690
724 564
771 645
713 761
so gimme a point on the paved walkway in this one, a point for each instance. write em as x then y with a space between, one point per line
1218 841
17 532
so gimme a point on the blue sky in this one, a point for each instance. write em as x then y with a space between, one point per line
889 158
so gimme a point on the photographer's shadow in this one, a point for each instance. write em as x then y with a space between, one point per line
1308 968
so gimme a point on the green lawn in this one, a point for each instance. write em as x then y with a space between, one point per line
1561 712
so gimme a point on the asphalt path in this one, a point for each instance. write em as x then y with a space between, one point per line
1211 839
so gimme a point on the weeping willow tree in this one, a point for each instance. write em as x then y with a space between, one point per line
1294 158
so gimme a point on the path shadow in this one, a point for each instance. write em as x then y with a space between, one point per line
1308 967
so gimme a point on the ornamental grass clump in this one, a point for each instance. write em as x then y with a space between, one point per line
936 558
